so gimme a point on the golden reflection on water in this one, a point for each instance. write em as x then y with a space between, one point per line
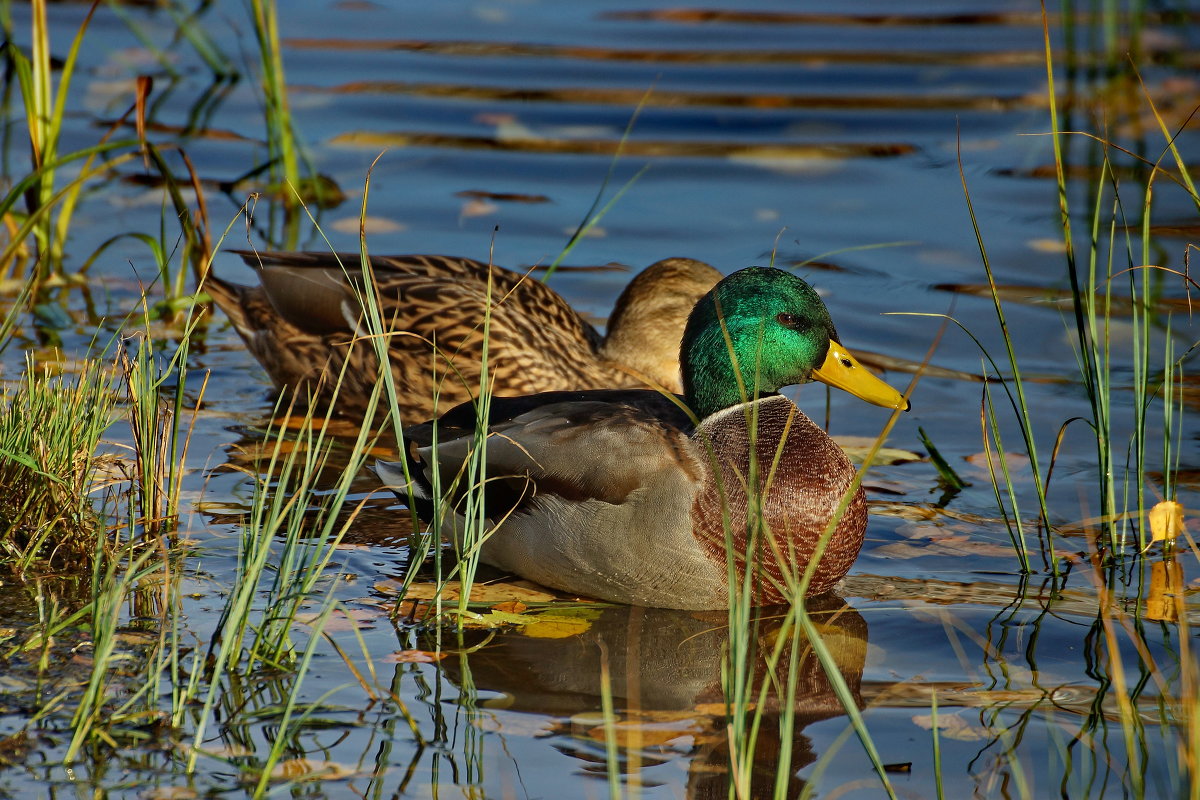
664 672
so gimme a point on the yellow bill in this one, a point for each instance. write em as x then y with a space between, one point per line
843 371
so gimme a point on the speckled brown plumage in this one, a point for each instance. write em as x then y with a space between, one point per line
623 496
301 324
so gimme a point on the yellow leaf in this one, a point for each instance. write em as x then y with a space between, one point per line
556 628
413 657
490 593
1166 521
303 769
561 624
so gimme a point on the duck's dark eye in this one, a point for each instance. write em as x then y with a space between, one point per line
788 320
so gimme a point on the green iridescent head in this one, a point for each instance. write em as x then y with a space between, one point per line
777 331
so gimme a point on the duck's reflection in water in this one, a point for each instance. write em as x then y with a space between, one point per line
664 674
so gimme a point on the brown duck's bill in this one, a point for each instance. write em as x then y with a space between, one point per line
843 371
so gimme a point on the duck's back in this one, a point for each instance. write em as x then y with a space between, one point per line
301 321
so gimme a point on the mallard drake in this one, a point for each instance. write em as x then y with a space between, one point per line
622 495
302 319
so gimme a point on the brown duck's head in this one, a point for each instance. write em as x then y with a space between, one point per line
647 322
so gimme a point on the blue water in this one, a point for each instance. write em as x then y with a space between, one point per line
801 137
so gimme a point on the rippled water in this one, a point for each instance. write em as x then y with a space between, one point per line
791 133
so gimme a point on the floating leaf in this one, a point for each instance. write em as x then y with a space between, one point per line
952 726
510 606
352 225
1166 521
555 624
490 593
1047 245
413 657
303 769
561 623
857 448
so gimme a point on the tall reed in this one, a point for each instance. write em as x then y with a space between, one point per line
456 502
754 675
49 208
290 536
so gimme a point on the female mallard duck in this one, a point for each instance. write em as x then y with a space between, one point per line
618 495
301 323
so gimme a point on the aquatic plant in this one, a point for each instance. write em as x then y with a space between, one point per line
50 427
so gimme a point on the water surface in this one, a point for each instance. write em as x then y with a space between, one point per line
789 134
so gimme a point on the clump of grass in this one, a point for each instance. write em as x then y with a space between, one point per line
50 427
64 515
1117 252
156 395
456 501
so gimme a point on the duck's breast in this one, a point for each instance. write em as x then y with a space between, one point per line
777 491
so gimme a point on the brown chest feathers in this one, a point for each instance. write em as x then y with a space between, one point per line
772 496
